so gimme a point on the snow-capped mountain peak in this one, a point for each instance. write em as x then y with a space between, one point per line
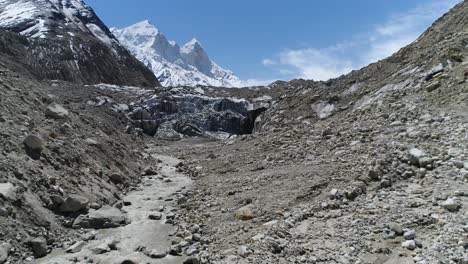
188 65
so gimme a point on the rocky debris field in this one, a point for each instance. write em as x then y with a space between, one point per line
371 167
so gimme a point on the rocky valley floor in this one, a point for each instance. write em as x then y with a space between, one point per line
371 167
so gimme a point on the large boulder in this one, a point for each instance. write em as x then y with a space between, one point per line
7 191
39 247
106 217
33 142
74 203
4 252
56 111
33 146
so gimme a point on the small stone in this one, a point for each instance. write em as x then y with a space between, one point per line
175 250
388 234
155 216
409 244
396 228
3 212
425 161
101 249
410 235
191 250
333 194
451 205
414 156
157 254
39 247
244 213
75 248
192 260
56 111
243 251
433 86
196 237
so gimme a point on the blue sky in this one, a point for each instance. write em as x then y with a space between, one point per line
265 40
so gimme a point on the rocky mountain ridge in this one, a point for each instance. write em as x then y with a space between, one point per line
66 40
188 65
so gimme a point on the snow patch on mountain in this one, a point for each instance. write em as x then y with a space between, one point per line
39 18
173 65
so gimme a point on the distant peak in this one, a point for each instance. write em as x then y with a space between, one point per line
191 46
193 42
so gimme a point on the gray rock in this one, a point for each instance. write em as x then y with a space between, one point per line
425 161
3 212
432 86
75 248
454 152
155 216
157 254
106 217
116 178
396 228
191 250
101 249
244 213
74 203
192 260
414 156
39 247
451 205
243 251
409 244
7 191
410 235
4 252
389 234
33 142
56 111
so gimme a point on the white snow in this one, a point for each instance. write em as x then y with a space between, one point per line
173 65
36 18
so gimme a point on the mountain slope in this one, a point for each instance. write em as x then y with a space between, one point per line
189 65
68 41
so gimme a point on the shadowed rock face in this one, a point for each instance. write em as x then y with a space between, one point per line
65 40
194 114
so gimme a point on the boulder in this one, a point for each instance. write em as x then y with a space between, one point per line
39 247
33 142
409 244
414 156
106 217
74 203
56 111
451 205
244 213
7 191
116 178
4 252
